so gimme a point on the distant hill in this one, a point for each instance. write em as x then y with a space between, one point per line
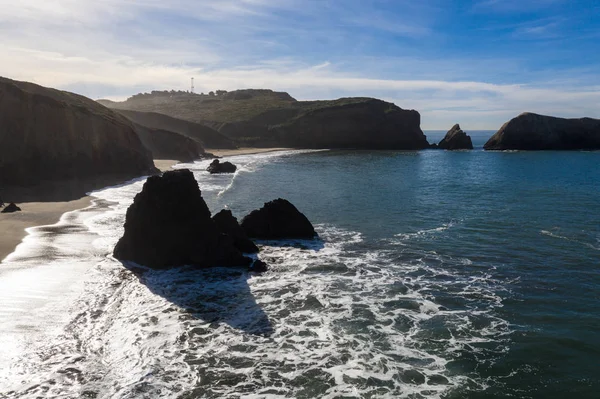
165 144
206 136
48 134
267 118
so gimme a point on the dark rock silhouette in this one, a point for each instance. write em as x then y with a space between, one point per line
217 167
259 266
10 208
165 144
227 224
456 139
278 219
49 134
530 131
170 225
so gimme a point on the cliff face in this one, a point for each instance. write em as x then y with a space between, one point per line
264 118
539 132
169 145
205 135
456 139
47 134
370 124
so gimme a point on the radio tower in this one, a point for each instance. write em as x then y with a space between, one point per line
192 85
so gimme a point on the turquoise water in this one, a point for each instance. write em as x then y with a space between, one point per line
510 238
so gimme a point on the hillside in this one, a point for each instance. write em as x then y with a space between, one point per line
49 134
206 136
265 118
166 144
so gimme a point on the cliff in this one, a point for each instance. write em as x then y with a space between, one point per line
530 131
206 136
48 134
265 118
169 145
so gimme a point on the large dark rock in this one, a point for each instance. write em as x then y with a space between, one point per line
228 224
278 219
456 139
217 167
169 225
50 135
539 132
10 208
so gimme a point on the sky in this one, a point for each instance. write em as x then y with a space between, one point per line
477 63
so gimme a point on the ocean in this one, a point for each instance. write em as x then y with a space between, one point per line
438 274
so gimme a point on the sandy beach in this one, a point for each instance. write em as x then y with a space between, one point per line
243 151
13 225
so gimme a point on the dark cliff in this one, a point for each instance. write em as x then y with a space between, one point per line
169 145
530 131
368 124
205 135
264 118
47 134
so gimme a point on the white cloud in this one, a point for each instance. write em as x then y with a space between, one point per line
115 48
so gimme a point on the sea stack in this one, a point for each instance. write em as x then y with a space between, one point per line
456 139
530 131
278 219
217 166
169 225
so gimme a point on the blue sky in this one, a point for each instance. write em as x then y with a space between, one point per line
478 63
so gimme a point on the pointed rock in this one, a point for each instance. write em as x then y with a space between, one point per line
456 139
227 224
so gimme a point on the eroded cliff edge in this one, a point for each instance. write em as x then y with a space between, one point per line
50 135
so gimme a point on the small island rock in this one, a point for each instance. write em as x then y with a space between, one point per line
456 139
10 208
530 131
259 266
278 219
217 167
227 224
169 225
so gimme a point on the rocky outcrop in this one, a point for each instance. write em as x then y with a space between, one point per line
217 166
169 145
278 219
456 139
350 123
259 266
263 118
169 225
10 208
205 135
227 224
530 131
47 134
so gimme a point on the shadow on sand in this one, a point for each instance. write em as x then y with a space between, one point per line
215 295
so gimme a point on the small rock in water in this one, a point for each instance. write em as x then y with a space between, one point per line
217 167
259 266
10 208
278 219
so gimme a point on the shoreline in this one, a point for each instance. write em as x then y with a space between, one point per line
245 151
37 213
34 214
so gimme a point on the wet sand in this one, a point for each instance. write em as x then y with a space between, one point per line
13 225
245 151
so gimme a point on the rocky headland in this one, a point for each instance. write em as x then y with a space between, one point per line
265 118
530 131
456 139
50 135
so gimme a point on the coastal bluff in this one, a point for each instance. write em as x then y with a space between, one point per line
530 131
48 135
266 118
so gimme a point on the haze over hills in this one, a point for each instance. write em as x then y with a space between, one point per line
265 118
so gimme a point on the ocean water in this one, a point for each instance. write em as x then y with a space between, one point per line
438 274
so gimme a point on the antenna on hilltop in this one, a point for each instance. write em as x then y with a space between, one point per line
192 85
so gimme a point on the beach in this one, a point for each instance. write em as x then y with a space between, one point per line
13 225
